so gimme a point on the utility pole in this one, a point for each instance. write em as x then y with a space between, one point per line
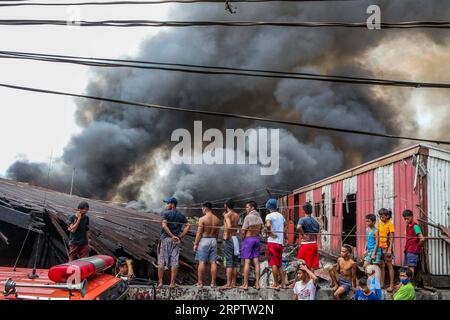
71 183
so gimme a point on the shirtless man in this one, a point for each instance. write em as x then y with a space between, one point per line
205 244
250 245
231 244
343 273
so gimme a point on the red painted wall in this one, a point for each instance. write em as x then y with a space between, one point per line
301 202
317 197
364 205
405 198
291 226
336 221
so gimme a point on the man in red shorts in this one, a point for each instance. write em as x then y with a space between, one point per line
308 229
275 224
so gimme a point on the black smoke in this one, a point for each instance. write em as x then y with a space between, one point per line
123 152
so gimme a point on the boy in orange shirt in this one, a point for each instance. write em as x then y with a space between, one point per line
386 235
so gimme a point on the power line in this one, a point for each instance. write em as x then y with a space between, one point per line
218 70
205 23
224 114
24 3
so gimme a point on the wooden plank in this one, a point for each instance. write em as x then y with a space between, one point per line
15 217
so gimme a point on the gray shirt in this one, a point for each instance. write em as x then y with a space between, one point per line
252 219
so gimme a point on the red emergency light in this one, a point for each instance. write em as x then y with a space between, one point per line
80 269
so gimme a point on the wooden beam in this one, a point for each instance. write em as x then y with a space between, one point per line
15 217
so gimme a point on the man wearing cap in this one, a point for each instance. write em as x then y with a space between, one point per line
172 233
275 224
250 245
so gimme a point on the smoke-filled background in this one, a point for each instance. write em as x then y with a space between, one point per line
123 152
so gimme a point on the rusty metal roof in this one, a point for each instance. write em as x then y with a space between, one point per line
112 226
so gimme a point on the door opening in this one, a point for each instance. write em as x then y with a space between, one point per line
349 220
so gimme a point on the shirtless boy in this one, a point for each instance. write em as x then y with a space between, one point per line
230 244
205 244
343 273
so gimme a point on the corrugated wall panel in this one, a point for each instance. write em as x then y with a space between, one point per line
349 186
326 228
405 198
336 219
384 187
291 226
301 202
364 206
438 212
317 198
309 196
384 198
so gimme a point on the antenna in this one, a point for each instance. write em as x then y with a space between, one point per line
71 183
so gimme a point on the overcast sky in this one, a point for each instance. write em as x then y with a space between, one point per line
34 125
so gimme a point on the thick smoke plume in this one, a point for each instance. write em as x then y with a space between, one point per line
123 152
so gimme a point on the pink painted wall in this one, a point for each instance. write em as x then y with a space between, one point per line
364 206
317 197
336 221
405 198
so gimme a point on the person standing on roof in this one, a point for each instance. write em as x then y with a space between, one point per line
251 229
205 244
308 228
275 224
78 227
230 244
414 242
174 227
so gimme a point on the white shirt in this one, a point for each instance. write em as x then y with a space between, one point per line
305 292
277 226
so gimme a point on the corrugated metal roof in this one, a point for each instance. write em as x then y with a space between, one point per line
112 226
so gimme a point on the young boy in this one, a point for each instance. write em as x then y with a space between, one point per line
386 235
78 227
406 291
363 292
414 241
124 268
373 279
372 254
343 273
305 287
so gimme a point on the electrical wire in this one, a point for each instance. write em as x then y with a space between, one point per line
224 114
214 70
287 232
24 3
206 23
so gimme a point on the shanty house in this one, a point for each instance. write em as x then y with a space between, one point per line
415 178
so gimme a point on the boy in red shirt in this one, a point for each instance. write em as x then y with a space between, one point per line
414 241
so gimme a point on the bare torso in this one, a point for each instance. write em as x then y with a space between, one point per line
210 225
231 222
253 231
345 267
